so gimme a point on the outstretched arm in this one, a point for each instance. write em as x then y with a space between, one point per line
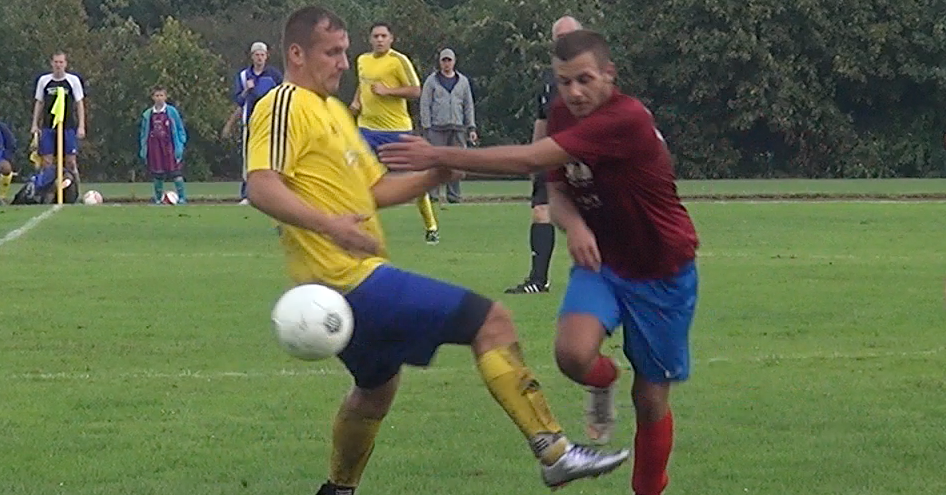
414 153
395 189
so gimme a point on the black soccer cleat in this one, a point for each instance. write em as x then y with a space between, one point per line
529 287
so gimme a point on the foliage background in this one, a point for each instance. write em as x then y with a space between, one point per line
756 88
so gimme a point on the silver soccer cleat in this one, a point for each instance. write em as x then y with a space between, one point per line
580 462
600 414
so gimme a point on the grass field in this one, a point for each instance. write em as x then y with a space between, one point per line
137 357
519 189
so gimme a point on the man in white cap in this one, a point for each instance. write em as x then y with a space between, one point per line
249 85
446 112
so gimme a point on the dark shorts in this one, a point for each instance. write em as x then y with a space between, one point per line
403 318
377 138
47 142
540 191
655 314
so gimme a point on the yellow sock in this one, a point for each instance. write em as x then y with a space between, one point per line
5 181
516 389
427 211
352 444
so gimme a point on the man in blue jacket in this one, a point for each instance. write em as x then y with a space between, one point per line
249 85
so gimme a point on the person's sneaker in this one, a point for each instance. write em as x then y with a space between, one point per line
600 414
432 237
529 287
181 201
244 201
581 461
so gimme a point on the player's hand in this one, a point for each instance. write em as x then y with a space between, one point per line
410 153
380 89
80 133
583 247
34 130
348 234
250 84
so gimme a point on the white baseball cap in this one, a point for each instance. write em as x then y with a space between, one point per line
259 46
447 53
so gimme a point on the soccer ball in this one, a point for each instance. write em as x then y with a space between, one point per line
92 198
312 322
169 198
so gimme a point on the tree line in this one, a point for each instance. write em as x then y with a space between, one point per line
811 88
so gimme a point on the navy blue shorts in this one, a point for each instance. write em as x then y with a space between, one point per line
377 138
403 318
47 142
656 316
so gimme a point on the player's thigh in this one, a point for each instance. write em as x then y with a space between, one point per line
589 294
657 315
403 318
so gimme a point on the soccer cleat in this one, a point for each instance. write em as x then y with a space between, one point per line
581 461
600 414
529 287
244 201
432 237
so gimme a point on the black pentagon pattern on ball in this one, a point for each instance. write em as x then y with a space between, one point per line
333 323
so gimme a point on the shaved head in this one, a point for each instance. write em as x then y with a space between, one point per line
563 26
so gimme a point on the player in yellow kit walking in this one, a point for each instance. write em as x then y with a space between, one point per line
310 169
386 80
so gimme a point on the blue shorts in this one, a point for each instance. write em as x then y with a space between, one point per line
403 318
656 316
377 138
47 142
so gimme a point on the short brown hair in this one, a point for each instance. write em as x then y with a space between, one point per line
579 42
299 25
158 87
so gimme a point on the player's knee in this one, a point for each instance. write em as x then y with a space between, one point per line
651 399
578 344
497 330
540 214
375 402
5 167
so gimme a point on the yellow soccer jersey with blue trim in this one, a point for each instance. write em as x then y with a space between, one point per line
314 144
385 113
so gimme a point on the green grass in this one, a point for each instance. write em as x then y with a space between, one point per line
521 188
137 357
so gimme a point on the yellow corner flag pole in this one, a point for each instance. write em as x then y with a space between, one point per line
59 114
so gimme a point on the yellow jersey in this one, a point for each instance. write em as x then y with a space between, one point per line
314 144
394 70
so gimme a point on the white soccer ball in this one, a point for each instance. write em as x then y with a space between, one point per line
313 322
169 198
92 198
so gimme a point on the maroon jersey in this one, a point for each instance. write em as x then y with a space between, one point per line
622 182
161 145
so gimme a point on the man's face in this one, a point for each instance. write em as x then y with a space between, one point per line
584 83
59 64
259 58
446 64
381 39
159 98
326 60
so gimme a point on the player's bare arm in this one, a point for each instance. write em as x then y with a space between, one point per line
268 194
355 107
395 189
406 92
37 111
80 116
539 130
415 153
582 244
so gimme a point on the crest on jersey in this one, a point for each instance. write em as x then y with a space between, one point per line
579 174
351 158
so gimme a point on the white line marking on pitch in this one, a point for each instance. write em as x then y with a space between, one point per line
218 375
28 226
